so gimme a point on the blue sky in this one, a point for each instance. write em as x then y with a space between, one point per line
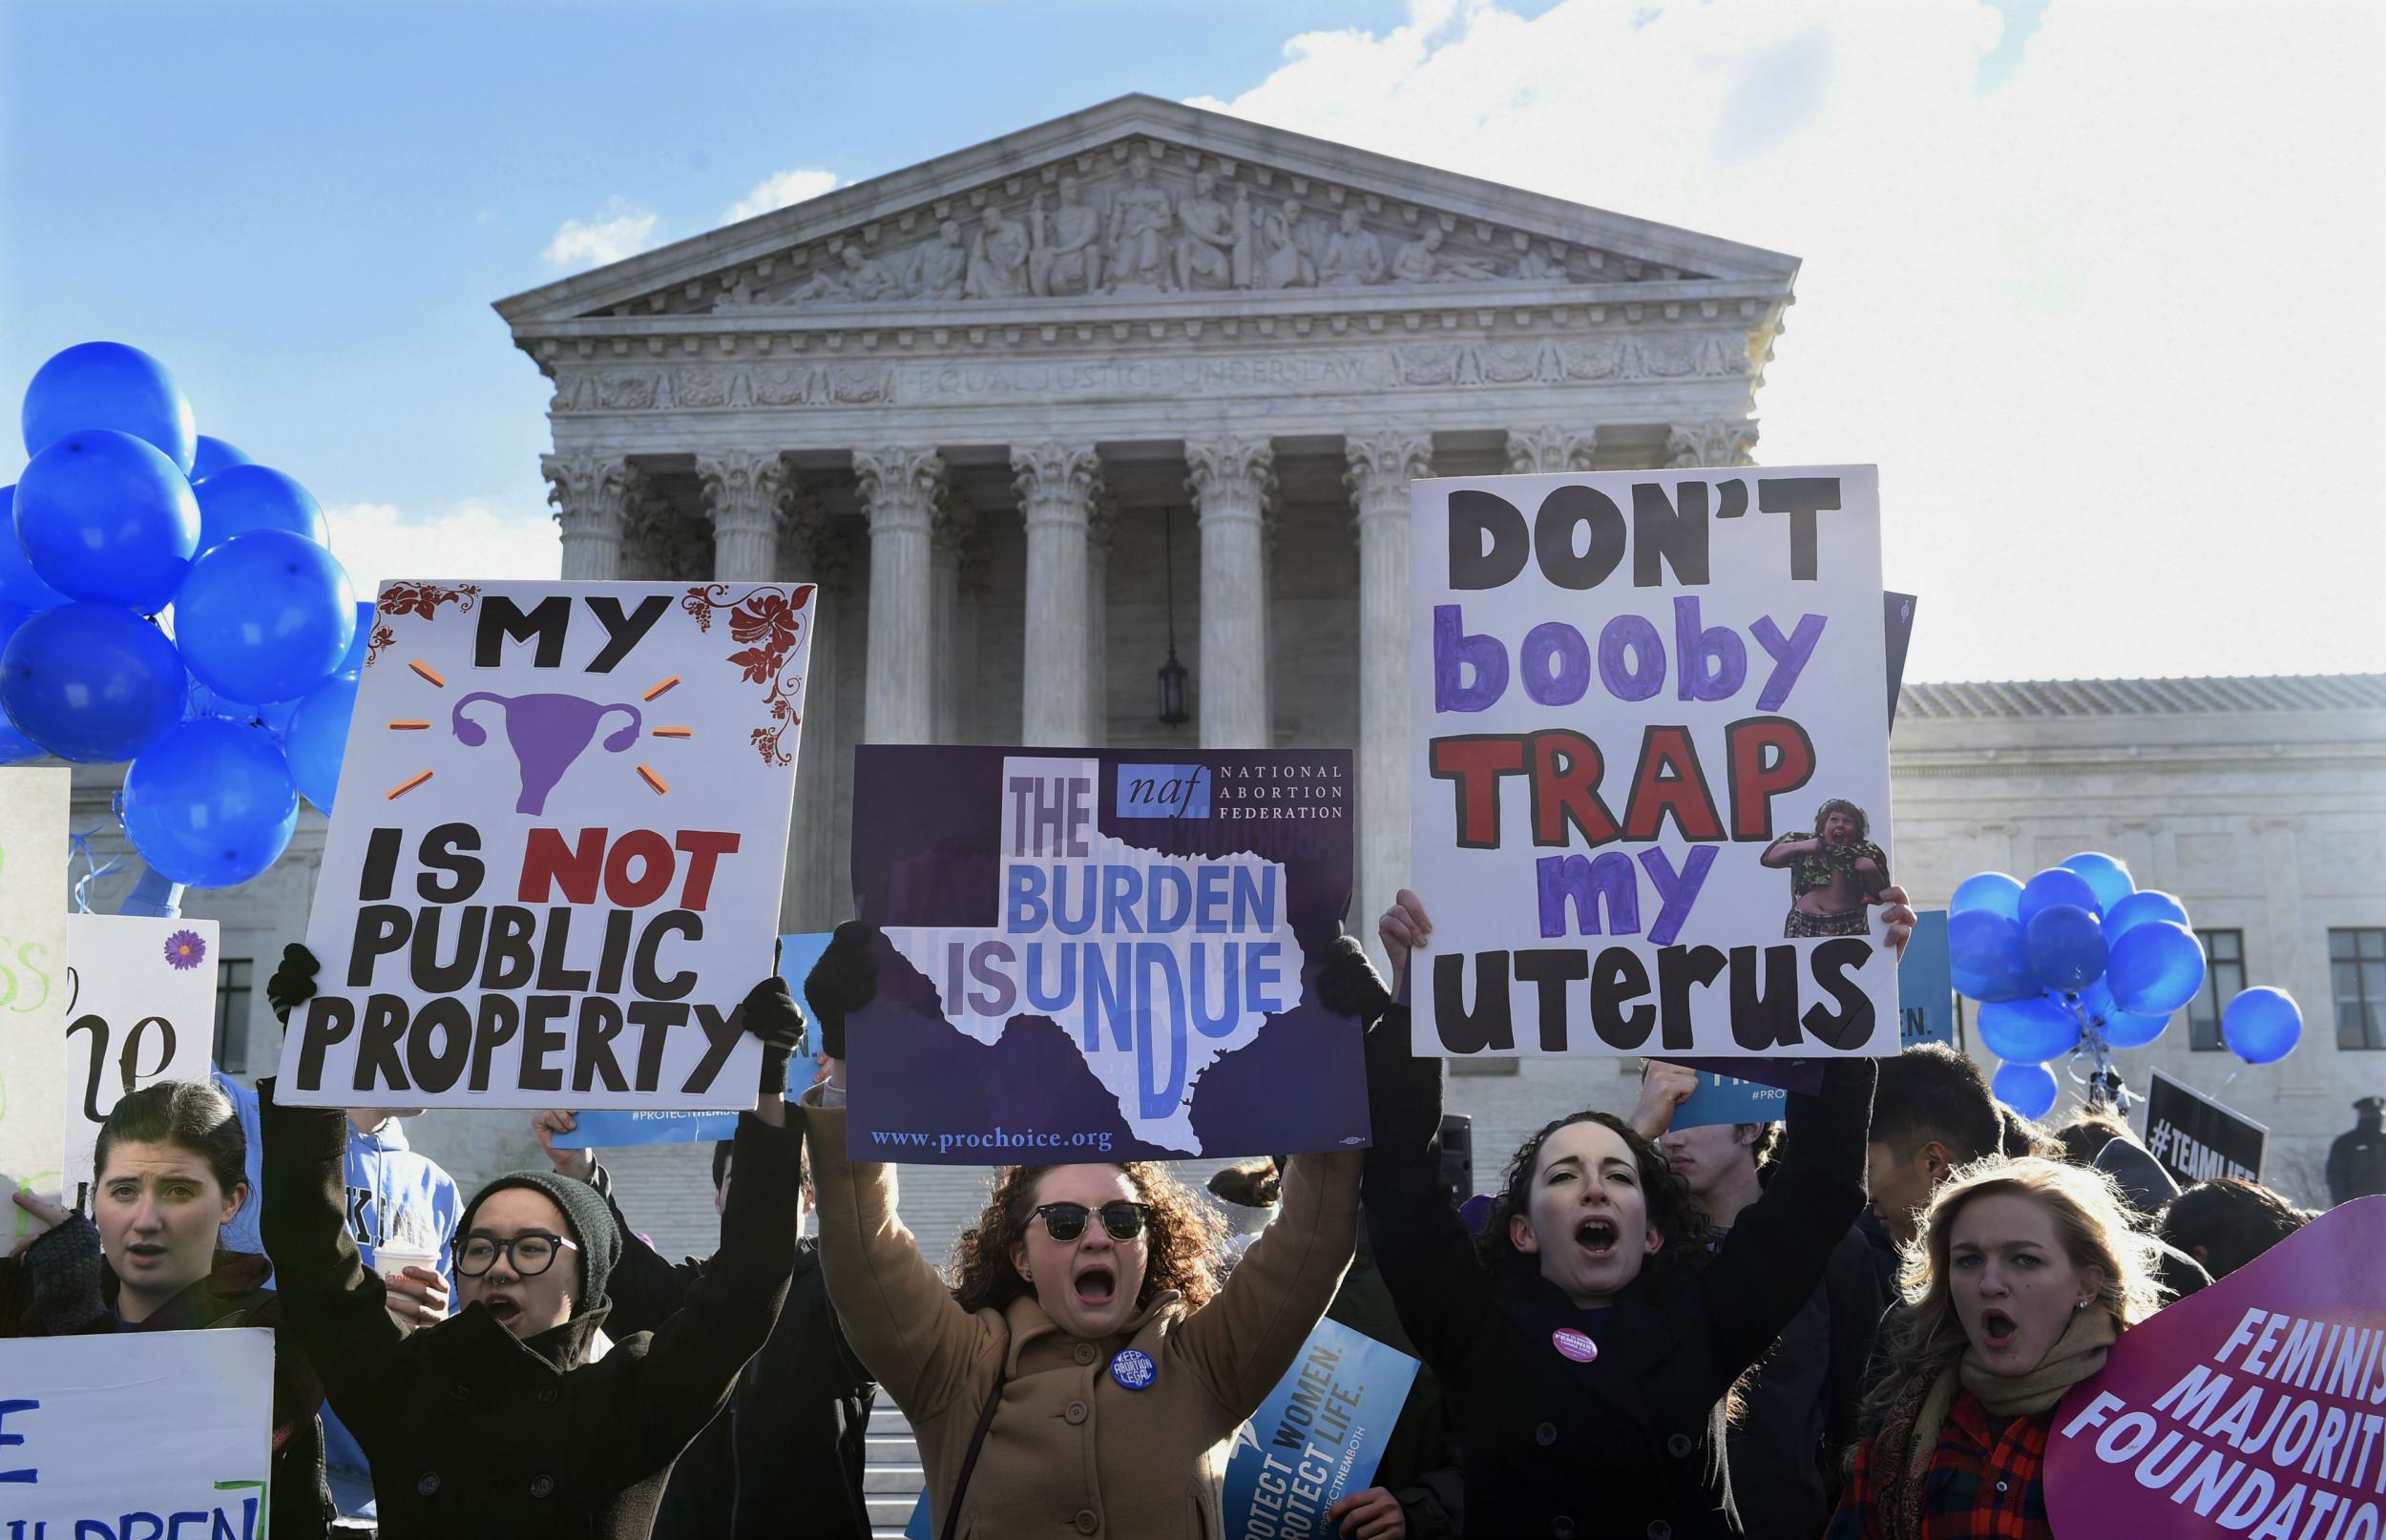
2052 248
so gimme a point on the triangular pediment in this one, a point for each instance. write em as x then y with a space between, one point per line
1144 199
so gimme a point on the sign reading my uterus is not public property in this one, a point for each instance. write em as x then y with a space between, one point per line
555 865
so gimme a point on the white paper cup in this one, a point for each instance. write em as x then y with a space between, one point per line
391 1261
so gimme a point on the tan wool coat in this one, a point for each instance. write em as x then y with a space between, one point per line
1073 1452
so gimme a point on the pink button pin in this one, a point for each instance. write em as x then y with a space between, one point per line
1574 1344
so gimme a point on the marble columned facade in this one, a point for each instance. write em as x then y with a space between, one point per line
988 386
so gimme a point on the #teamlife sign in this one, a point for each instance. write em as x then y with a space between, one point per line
144 1010
1649 800
137 1436
1104 952
2196 1138
555 865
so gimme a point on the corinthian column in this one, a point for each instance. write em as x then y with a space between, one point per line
1381 468
1551 449
813 552
1100 529
1055 483
948 539
1231 480
899 487
591 493
742 488
1728 440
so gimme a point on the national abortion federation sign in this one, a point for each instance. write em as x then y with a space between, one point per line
1650 791
137 1436
554 868
1102 956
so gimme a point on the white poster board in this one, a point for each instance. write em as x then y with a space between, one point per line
553 869
1629 691
32 986
142 1433
142 1010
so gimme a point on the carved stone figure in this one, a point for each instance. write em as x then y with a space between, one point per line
858 278
1071 262
1207 246
1282 262
1351 255
1422 261
1140 218
1537 266
944 265
998 261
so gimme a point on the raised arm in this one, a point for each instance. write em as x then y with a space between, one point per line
1241 1343
1788 849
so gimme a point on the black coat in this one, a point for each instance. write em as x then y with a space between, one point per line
787 1457
1630 1444
472 1431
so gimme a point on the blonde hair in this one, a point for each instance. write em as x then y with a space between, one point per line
2091 1224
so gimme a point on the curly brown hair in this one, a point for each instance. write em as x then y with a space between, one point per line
1182 1237
1673 1209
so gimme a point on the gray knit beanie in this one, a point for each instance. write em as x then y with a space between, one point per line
585 1215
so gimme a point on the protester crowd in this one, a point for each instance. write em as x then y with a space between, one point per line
1855 1322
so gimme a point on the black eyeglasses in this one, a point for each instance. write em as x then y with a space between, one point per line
528 1254
1066 1222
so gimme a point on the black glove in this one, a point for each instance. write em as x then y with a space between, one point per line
1349 985
771 1015
844 981
293 983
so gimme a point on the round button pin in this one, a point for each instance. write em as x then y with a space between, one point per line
1574 1344
1134 1368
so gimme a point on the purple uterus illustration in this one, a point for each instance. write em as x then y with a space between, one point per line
548 733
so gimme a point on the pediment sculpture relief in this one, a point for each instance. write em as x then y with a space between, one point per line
1162 228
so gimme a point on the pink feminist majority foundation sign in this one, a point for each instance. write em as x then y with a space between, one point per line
2255 1409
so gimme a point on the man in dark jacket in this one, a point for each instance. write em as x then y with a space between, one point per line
2357 1162
787 1457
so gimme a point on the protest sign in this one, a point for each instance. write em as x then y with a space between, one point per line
555 866
141 1009
602 1129
1107 953
137 1436
2247 1408
1897 636
1722 1098
2196 1138
1926 986
1649 797
32 986
1317 1437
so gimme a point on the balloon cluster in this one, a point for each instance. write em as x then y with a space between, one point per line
2078 960
166 601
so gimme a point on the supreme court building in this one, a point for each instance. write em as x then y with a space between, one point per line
1033 411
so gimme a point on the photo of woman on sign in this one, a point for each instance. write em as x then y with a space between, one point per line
1835 871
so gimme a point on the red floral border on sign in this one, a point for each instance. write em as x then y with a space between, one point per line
414 598
768 621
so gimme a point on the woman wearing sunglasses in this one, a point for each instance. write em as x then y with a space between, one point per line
517 1416
1085 1371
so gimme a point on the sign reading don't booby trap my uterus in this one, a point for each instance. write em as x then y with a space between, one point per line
561 826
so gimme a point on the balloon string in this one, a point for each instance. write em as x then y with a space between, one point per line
92 870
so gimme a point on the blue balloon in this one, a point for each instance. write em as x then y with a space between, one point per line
2261 1025
211 804
2144 904
2028 1089
1990 890
2108 878
19 584
319 738
240 498
2066 949
105 517
264 617
2031 1031
91 682
14 746
1988 958
2156 967
2055 885
2122 1030
108 384
355 659
213 455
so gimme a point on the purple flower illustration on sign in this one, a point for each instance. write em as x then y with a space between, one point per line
185 951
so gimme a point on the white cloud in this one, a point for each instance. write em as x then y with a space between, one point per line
375 541
622 230
778 189
2100 325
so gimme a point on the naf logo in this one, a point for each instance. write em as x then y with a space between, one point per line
1163 790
